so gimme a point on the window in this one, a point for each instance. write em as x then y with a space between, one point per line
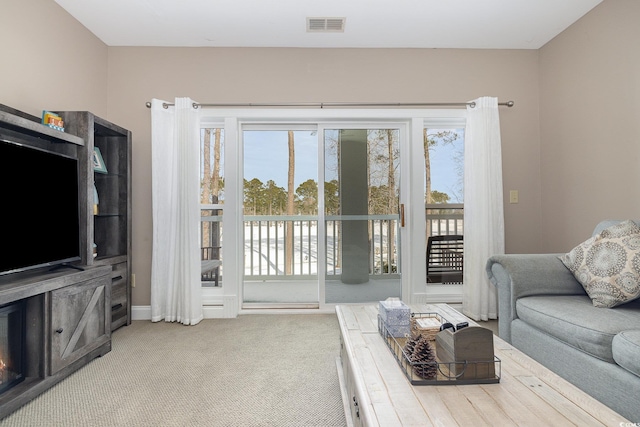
444 204
211 203
255 268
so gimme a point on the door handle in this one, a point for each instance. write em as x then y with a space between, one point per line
402 215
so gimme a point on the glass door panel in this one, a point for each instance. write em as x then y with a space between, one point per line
280 218
361 214
211 204
444 205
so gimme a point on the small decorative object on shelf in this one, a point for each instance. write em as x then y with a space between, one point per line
98 163
96 200
52 120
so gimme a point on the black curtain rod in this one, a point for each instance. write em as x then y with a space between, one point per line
340 104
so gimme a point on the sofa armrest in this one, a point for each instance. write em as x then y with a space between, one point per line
521 275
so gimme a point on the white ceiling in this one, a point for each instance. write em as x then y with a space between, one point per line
478 24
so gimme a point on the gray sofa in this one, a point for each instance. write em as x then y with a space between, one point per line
545 312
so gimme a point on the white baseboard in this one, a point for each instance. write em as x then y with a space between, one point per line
227 308
431 298
141 312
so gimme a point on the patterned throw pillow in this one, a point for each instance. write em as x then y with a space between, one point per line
608 265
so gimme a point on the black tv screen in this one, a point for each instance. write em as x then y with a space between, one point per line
39 217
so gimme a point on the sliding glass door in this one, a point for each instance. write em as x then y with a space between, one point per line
280 211
325 207
295 255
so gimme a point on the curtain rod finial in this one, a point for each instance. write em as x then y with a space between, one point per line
510 104
148 104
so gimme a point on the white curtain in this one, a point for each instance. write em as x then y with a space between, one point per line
176 295
483 207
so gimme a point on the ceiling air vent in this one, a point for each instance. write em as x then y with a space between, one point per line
325 25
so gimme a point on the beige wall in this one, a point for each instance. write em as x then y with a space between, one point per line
571 144
137 75
590 124
49 61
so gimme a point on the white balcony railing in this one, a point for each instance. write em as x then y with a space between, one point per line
266 253
444 219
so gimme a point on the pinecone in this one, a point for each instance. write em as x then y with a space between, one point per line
410 345
423 360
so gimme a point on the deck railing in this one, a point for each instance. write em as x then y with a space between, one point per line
267 254
444 219
211 242
266 251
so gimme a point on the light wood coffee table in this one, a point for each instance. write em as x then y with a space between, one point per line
376 391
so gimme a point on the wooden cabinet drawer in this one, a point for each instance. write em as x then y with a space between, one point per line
119 295
119 272
119 284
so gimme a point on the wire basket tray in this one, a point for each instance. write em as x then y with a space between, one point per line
447 373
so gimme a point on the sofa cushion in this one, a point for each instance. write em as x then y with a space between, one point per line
626 350
574 319
608 264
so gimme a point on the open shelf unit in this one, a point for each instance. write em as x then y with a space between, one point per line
108 224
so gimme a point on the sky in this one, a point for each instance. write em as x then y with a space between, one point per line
266 157
446 175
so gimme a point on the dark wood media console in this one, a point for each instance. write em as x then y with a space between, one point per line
68 324
70 312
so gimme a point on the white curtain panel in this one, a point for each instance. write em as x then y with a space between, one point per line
176 295
483 207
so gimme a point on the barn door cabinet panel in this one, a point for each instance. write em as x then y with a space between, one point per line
80 320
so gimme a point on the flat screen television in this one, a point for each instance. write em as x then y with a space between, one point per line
39 213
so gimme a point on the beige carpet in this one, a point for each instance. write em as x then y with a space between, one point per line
255 370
